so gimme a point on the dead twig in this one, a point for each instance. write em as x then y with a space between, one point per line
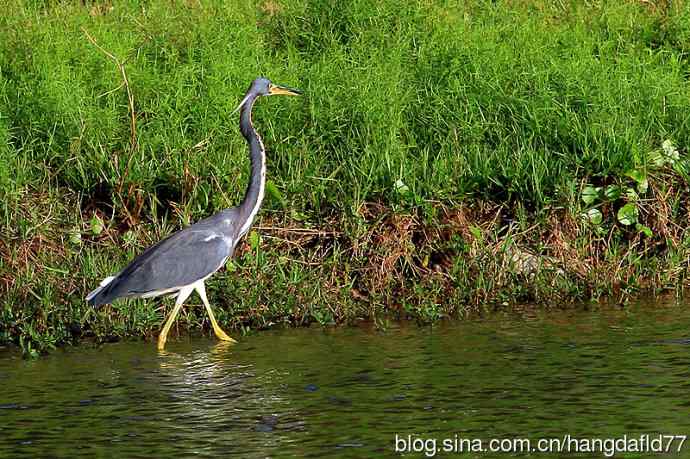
132 115
125 82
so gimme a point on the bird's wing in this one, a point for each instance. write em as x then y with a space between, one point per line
182 259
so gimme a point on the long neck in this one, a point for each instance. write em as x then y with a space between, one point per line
257 181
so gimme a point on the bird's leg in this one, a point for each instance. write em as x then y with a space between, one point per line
181 297
216 328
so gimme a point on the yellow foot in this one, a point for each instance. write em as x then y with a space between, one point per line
161 342
222 335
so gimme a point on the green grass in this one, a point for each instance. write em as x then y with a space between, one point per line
419 107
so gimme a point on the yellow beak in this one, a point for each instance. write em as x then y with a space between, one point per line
277 90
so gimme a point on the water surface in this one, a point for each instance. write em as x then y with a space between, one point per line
347 392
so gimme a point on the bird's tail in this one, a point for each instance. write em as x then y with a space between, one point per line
97 296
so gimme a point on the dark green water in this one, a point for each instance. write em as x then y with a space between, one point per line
347 392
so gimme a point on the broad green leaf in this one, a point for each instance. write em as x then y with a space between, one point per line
646 230
640 177
593 216
612 192
590 194
627 215
401 188
637 175
631 194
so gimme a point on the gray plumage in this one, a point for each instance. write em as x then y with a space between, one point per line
181 259
181 262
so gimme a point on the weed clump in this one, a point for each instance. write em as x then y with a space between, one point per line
445 156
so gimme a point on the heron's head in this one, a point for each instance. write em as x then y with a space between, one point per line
264 87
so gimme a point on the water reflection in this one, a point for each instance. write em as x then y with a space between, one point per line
347 392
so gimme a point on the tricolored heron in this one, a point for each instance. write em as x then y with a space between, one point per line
182 262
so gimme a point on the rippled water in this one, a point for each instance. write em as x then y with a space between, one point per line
347 392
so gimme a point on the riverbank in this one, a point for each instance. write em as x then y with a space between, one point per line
444 159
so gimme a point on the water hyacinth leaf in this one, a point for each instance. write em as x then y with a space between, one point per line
646 230
612 192
627 215
593 216
637 175
640 178
590 194
631 194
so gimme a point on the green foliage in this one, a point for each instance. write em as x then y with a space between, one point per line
448 100
406 103
627 215
625 193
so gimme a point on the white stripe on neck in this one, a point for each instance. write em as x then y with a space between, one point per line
262 182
